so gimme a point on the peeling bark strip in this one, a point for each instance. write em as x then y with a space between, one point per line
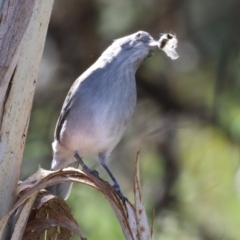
15 18
8 89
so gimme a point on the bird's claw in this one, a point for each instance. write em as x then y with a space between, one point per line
92 172
116 187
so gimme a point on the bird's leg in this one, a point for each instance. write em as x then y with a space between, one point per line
84 166
116 185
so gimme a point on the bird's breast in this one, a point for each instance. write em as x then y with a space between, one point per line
103 107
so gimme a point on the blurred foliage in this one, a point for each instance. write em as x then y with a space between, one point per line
187 122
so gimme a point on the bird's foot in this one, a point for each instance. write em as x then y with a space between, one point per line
93 172
85 167
119 192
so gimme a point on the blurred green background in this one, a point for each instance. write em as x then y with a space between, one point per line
187 121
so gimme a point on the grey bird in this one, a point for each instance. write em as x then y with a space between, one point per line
98 107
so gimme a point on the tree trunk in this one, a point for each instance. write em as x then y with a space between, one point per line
23 27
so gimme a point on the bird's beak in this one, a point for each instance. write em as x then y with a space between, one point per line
153 44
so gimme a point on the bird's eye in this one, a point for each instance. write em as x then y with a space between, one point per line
169 36
138 35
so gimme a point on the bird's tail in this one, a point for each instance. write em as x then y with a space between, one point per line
63 190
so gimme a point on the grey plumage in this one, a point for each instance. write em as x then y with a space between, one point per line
99 105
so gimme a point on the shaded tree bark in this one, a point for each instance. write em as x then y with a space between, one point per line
23 27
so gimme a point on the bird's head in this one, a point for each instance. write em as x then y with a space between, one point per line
140 44
132 49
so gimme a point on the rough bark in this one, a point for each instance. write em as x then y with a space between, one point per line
23 27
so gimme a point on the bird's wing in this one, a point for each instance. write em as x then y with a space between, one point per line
62 117
64 112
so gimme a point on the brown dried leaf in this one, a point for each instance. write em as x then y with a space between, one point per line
46 178
52 213
22 217
141 217
55 219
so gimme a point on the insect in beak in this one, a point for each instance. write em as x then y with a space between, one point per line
168 43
